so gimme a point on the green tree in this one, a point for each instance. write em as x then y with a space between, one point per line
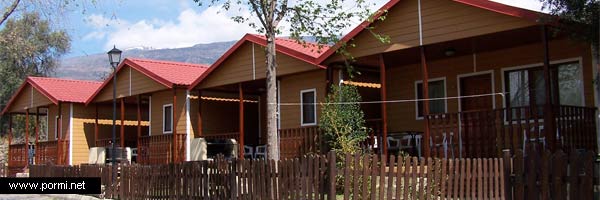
342 120
322 19
28 47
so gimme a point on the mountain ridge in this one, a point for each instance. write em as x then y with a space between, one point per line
96 67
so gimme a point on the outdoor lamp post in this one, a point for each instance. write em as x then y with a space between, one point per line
114 57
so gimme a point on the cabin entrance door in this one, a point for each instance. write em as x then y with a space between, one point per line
476 85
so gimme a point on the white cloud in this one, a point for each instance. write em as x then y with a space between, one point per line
189 28
535 5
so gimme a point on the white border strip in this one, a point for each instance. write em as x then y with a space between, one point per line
188 125
71 134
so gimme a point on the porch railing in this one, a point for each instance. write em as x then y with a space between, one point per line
294 142
106 142
46 152
158 149
297 142
18 156
486 133
232 135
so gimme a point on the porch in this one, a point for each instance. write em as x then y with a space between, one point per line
238 112
486 133
134 129
473 97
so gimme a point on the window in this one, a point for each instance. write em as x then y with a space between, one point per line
56 124
527 86
308 111
437 89
168 118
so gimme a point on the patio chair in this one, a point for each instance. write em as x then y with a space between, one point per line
533 139
261 150
443 144
418 141
393 144
248 152
401 143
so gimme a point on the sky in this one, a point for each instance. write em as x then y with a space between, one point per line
160 24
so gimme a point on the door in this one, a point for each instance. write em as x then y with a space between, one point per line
475 121
476 85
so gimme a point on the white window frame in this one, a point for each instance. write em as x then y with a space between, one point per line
552 62
417 82
163 117
302 123
56 131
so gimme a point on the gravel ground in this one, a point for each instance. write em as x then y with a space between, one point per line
46 196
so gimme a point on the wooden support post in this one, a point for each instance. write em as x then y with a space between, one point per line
10 136
332 170
426 135
241 110
200 113
549 129
37 131
27 137
173 127
506 161
96 124
59 135
122 138
384 128
139 120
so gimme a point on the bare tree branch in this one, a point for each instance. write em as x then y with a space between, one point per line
9 11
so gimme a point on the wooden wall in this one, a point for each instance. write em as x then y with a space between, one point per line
238 67
127 76
29 97
290 93
166 97
442 20
401 79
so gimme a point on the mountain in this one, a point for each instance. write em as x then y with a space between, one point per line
96 67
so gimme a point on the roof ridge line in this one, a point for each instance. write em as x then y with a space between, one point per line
63 79
170 62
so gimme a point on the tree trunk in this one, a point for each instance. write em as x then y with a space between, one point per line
272 135
596 62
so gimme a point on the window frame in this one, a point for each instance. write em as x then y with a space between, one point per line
417 82
163 117
314 91
56 124
505 70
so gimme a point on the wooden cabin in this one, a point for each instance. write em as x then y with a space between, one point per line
58 106
475 77
153 109
233 95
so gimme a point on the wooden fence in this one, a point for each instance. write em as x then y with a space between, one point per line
557 176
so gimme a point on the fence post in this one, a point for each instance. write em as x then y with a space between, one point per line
332 173
507 173
233 181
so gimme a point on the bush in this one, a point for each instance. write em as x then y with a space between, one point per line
343 124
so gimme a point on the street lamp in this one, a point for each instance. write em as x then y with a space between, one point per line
114 57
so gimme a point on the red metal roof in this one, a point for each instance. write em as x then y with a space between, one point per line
484 4
308 52
59 90
168 73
